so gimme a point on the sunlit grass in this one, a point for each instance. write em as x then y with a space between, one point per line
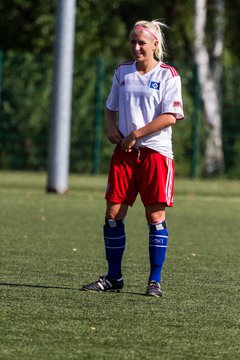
52 244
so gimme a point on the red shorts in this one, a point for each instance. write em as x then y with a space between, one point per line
142 171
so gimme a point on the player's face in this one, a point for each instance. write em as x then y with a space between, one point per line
142 46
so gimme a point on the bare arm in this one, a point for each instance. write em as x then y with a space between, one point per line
157 124
113 133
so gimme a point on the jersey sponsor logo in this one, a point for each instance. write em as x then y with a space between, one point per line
154 85
177 104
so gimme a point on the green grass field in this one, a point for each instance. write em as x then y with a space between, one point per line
52 244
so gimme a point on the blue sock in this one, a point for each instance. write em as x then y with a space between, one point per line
158 239
115 241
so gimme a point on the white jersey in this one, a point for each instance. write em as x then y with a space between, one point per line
141 98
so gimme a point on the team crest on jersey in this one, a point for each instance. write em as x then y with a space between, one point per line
154 85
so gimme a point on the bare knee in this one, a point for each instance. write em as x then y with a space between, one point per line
155 213
116 211
111 213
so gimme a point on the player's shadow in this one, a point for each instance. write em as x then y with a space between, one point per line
38 286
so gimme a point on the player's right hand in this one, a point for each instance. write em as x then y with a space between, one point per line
114 135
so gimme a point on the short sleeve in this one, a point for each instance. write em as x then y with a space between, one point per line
172 97
112 102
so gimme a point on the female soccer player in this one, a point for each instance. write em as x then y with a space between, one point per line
146 95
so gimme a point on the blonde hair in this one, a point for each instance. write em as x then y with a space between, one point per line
154 28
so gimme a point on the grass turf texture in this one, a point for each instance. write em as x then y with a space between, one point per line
52 244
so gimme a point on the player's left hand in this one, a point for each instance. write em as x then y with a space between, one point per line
128 142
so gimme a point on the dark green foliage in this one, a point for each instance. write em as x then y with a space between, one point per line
231 127
27 25
25 111
102 27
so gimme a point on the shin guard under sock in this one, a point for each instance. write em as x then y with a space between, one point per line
158 239
115 241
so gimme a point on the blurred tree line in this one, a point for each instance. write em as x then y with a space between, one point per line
27 33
